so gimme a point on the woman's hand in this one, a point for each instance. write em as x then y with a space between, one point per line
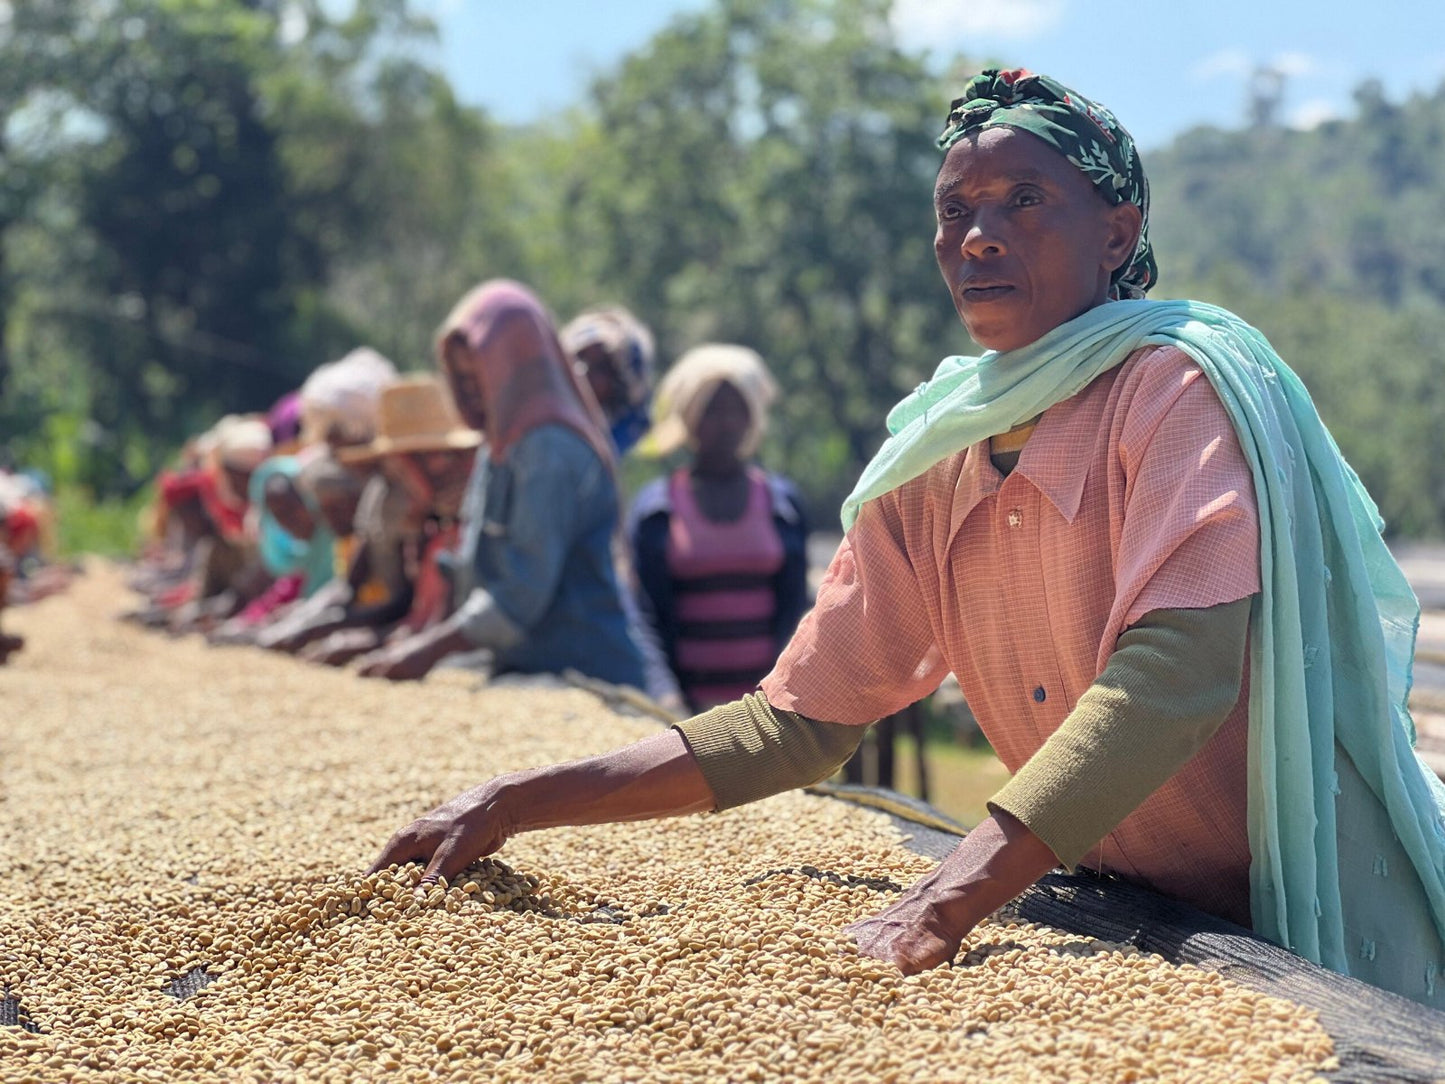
9 645
924 928
289 636
455 834
654 777
340 647
410 659
914 934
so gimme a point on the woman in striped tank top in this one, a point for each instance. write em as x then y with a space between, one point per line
719 543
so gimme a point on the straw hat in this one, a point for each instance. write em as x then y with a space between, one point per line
414 415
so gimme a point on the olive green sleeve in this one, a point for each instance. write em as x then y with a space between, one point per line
1172 680
749 750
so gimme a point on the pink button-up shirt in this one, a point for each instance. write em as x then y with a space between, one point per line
1131 496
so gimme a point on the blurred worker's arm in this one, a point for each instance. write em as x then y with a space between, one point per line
556 482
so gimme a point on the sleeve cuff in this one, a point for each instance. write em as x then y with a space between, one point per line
749 750
484 624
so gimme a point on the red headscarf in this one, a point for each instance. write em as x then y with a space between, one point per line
22 526
525 375
179 486
227 513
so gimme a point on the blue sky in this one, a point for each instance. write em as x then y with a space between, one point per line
1161 65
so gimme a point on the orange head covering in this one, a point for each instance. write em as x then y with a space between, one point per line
525 376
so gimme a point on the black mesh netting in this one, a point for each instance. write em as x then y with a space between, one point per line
13 1014
192 982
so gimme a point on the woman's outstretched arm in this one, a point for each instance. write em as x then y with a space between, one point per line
655 777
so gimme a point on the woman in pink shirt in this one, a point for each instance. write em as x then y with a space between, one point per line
1126 531
719 544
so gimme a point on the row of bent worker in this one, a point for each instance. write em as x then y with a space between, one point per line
28 569
1123 528
400 523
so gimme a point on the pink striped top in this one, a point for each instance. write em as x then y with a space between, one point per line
722 577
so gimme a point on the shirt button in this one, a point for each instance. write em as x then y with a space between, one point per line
1015 518
1039 695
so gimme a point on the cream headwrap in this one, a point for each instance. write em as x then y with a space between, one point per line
240 442
339 400
689 386
626 340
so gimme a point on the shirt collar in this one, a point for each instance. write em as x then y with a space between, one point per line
977 479
1055 460
1057 457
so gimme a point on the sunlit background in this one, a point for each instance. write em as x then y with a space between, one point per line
1168 66
201 200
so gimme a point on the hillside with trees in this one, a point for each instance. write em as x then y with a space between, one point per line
200 201
1332 241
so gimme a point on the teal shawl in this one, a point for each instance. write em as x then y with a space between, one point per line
281 552
1333 635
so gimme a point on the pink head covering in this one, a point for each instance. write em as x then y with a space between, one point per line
284 418
524 373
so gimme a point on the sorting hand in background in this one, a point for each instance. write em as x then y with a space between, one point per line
533 581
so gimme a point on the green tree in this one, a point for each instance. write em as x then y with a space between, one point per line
1353 206
206 164
431 190
1373 372
761 173
1332 242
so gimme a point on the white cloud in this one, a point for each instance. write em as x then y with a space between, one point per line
1295 64
1312 114
1232 62
930 23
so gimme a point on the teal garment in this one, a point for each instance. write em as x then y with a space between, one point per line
1332 636
281 552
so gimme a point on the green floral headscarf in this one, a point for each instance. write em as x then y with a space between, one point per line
1082 131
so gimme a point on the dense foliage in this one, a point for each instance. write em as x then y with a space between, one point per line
1332 241
200 200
